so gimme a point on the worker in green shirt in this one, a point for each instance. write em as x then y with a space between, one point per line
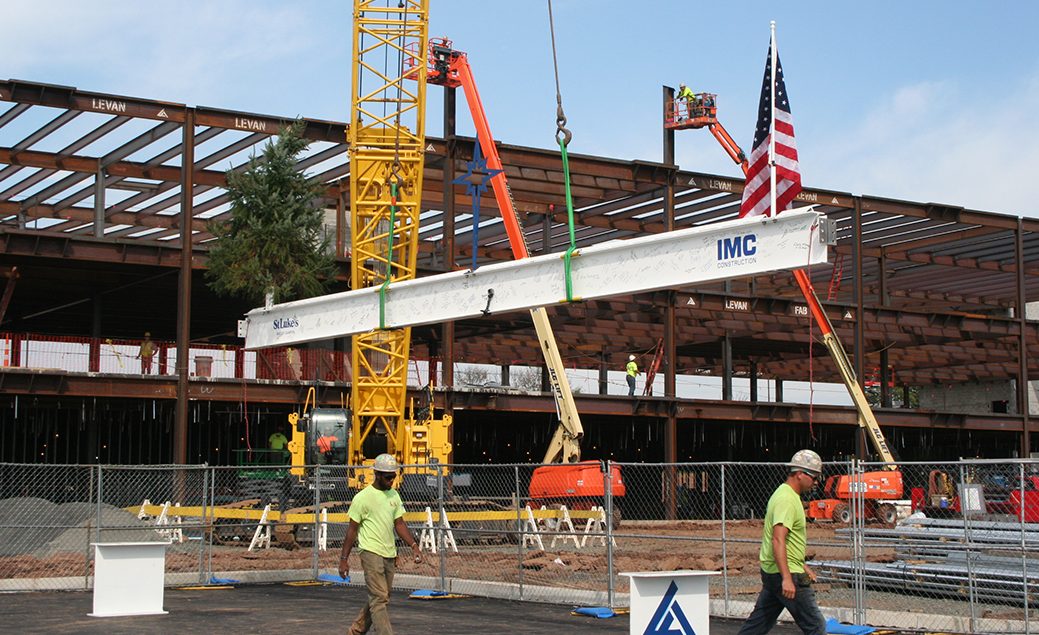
785 577
277 440
376 513
633 371
278 444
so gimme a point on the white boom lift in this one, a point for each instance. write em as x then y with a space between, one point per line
731 249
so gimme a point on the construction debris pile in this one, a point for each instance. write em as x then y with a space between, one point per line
984 560
37 527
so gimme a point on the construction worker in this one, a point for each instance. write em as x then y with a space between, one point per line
685 93
785 577
277 442
325 444
633 371
376 513
145 353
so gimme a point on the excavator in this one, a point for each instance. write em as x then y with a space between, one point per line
882 491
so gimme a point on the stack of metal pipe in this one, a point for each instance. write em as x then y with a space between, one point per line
987 560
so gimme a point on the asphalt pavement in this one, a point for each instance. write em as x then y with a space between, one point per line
310 609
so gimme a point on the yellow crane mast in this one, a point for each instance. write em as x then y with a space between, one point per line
387 156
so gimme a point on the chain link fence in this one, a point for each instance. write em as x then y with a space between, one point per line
945 547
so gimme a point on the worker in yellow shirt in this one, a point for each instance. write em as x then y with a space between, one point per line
687 95
376 520
278 443
633 372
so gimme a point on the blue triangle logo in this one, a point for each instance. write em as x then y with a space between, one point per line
667 614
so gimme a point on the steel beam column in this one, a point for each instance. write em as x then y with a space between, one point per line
670 344
99 201
447 345
885 379
1023 387
187 173
726 344
860 336
885 372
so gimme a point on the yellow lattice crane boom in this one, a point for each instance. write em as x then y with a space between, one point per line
387 142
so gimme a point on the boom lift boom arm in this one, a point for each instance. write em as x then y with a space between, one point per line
450 68
680 114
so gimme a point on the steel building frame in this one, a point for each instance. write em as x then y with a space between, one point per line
96 188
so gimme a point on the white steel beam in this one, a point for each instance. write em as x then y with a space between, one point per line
732 249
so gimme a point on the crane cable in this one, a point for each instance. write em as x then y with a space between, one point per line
563 137
395 179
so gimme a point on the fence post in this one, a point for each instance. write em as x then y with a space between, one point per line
438 531
858 550
315 547
519 531
967 540
100 496
208 574
202 522
608 491
1024 554
725 550
86 560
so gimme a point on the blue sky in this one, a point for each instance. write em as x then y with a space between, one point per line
924 100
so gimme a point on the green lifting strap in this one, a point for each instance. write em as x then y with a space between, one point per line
389 257
570 222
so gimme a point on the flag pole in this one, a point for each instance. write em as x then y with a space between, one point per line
772 126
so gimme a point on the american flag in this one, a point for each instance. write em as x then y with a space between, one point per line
756 191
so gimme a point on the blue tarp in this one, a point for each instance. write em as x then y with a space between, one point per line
601 612
333 578
833 626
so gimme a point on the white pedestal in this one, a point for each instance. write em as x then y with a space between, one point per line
670 602
128 578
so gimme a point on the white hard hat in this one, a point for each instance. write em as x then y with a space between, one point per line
807 461
631 358
386 463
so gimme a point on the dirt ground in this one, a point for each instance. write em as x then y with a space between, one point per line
640 547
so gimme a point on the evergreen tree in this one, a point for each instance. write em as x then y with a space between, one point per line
274 241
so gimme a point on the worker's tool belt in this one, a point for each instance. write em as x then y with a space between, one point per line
802 579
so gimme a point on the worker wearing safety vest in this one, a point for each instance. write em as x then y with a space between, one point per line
633 371
691 102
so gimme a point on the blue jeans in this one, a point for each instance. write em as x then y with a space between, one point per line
631 385
771 603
